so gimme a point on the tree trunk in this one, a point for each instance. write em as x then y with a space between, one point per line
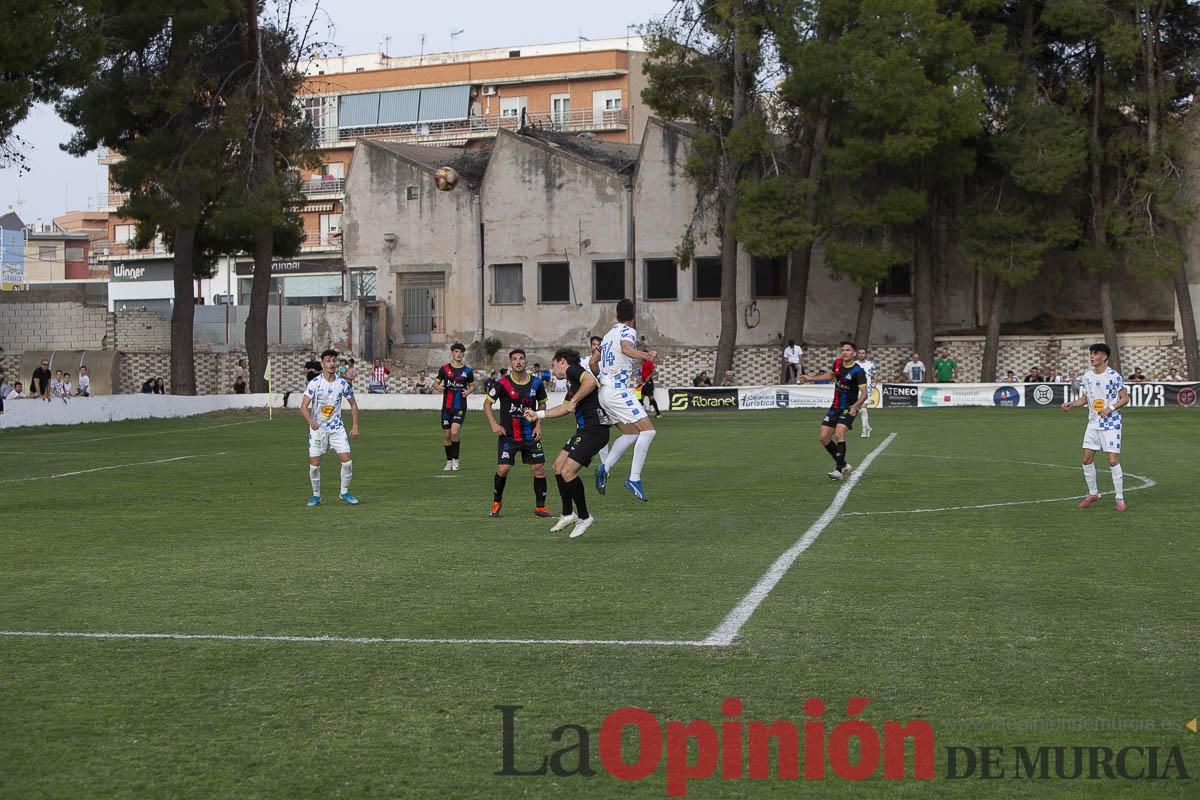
1099 234
991 342
866 315
1187 322
256 320
923 290
1108 320
183 365
730 171
813 169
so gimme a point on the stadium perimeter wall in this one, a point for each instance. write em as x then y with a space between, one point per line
143 339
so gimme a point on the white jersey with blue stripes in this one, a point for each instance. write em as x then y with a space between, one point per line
616 368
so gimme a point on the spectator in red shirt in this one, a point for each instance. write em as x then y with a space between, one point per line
379 378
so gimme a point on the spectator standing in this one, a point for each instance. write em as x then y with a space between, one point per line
351 372
702 379
380 375
17 392
67 387
312 368
1054 376
39 383
728 379
1009 377
5 387
915 369
148 386
945 368
793 355
84 387
1035 375
1173 375
423 383
159 388
1137 376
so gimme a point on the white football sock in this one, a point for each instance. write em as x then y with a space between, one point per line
1089 475
866 423
603 454
314 476
347 471
640 448
1118 476
617 449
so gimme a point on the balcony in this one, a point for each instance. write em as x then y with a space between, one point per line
323 187
106 249
111 201
460 131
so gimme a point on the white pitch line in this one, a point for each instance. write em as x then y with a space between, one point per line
1146 484
102 469
163 433
727 631
218 637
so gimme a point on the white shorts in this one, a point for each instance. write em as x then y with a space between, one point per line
621 405
1098 440
322 439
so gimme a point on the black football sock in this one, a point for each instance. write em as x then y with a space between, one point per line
455 449
576 487
498 482
565 493
840 457
449 448
539 491
831 448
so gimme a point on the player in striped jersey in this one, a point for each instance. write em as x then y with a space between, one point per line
1103 391
615 360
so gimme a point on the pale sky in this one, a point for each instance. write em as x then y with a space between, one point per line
57 182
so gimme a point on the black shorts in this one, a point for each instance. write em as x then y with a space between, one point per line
839 416
585 443
452 417
531 451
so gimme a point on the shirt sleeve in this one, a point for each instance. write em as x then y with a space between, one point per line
347 389
468 375
309 392
629 335
493 390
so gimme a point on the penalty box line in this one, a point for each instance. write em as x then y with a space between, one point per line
724 634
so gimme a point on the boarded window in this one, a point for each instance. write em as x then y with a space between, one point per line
898 281
770 276
708 278
608 281
661 279
554 282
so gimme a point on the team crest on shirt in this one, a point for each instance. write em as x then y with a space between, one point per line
326 411
1098 404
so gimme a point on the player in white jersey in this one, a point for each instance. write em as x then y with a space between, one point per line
614 363
868 367
322 410
1103 391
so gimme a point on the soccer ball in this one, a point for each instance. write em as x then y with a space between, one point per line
445 178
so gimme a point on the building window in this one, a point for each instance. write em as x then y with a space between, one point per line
47 253
560 109
336 170
770 276
331 228
74 254
123 234
607 100
608 281
897 283
708 277
412 193
661 279
506 285
554 282
511 107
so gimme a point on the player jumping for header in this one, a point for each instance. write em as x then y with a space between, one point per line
615 361
849 394
1103 391
324 395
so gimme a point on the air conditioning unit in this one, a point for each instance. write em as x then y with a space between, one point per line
489 90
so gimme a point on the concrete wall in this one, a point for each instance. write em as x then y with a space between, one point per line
52 326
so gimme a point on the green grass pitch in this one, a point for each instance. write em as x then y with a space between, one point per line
1006 625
